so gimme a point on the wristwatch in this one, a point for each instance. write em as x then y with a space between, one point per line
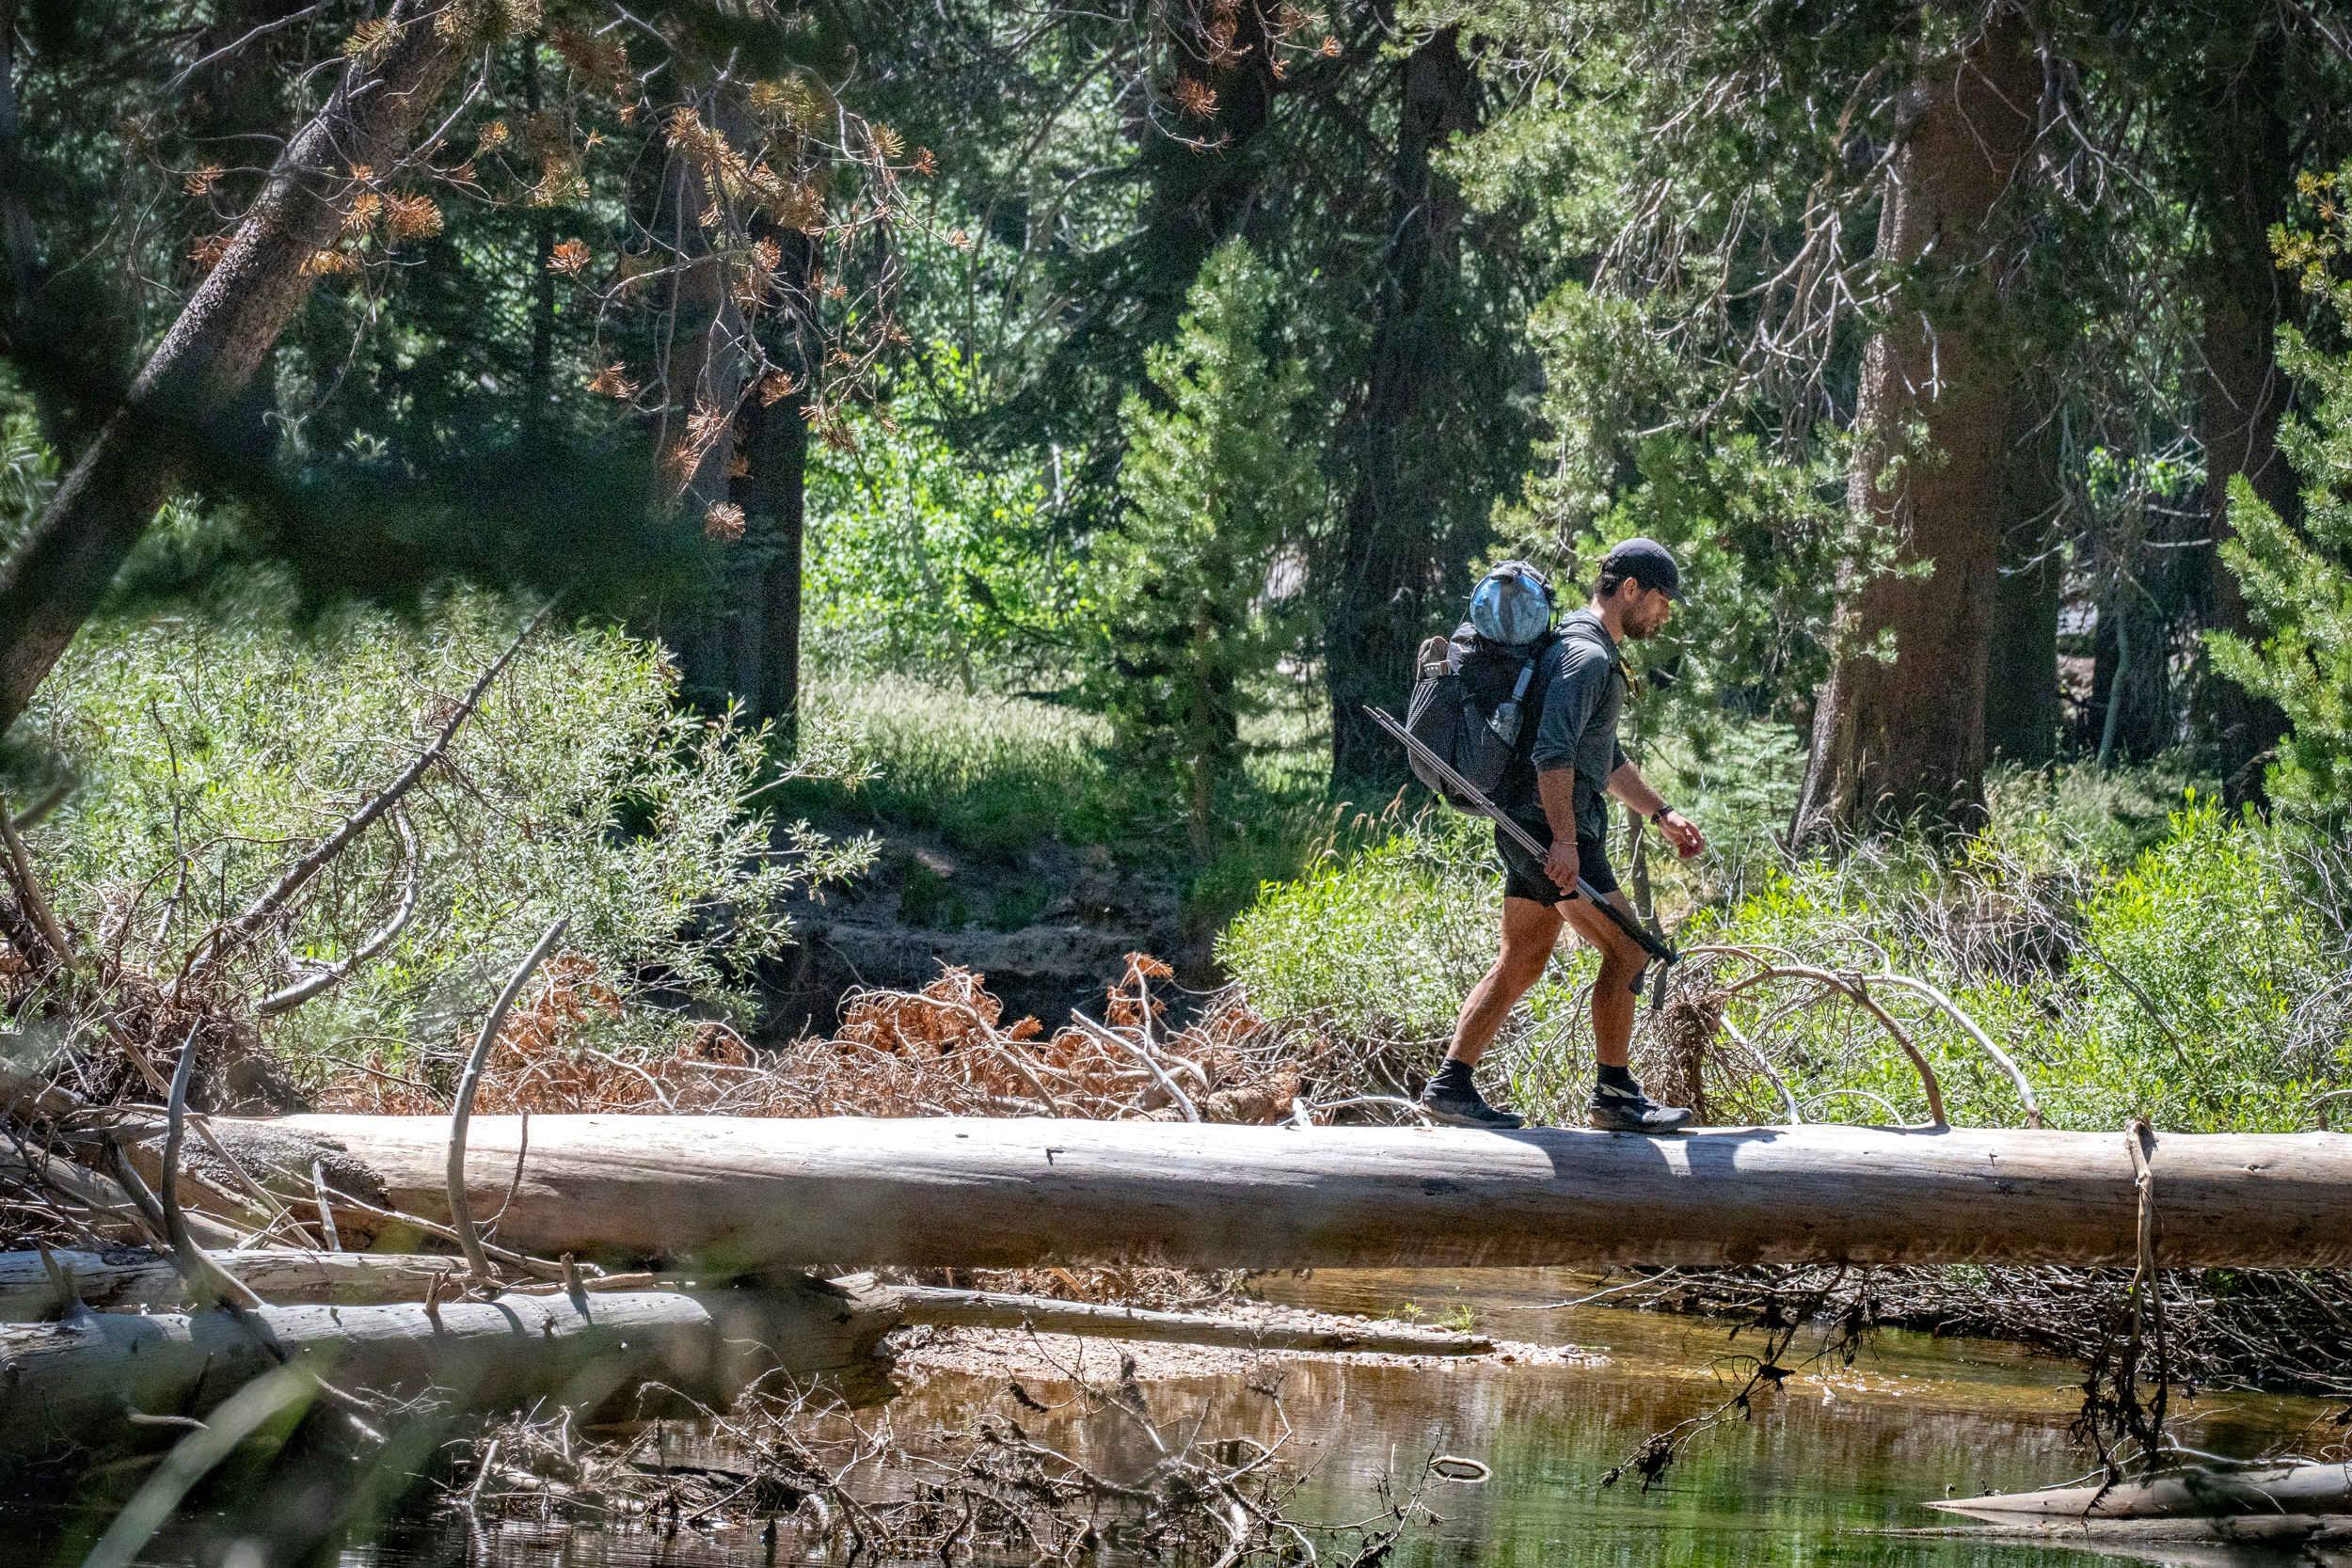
1658 815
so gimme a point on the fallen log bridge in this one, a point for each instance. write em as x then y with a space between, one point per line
725 1192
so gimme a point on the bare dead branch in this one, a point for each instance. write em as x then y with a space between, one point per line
460 1210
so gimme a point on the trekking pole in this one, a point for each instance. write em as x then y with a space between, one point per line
1658 949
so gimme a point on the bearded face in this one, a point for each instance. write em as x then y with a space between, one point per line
1645 610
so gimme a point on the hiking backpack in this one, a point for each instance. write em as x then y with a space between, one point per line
1471 697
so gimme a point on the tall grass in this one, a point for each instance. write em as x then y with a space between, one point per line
999 777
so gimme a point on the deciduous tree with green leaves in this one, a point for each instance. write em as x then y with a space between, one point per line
1216 484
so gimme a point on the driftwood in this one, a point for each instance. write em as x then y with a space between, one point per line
95 1380
280 1277
2196 1494
925 1303
746 1193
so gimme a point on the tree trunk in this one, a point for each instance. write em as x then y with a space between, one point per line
773 493
750 1193
69 558
540 377
2021 687
1908 738
742 641
20 247
2242 393
1385 569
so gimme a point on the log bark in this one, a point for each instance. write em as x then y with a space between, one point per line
744 1193
82 1198
77 1382
1908 738
926 1304
67 560
280 1277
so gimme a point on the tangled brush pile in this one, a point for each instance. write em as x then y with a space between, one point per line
942 1050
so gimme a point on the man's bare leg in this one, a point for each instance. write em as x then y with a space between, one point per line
1613 994
1529 930
1618 1103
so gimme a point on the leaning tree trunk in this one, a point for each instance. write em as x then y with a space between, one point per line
1384 567
1908 736
68 560
2242 393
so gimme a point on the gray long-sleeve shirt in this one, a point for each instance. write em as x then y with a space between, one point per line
1579 726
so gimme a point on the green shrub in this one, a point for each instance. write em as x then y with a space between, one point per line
1383 944
207 757
2204 981
2194 965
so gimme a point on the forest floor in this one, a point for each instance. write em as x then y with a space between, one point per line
1012 845
928 906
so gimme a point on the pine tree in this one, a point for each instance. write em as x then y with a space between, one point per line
2298 585
1215 486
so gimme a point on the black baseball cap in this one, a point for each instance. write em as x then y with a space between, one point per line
1647 563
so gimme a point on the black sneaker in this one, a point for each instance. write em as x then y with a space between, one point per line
1616 1109
1458 1109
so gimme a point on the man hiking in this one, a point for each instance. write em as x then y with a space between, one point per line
1553 789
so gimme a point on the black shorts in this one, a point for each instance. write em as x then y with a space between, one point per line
1523 874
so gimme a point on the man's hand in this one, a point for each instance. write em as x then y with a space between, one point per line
1681 833
1561 866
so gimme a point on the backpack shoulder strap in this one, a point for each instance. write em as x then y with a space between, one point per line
1585 629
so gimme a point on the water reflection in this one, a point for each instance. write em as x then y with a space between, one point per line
1826 1464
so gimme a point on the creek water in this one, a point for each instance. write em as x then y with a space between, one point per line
1831 1464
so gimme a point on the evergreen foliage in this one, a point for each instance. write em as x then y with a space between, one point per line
1218 487
2299 583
